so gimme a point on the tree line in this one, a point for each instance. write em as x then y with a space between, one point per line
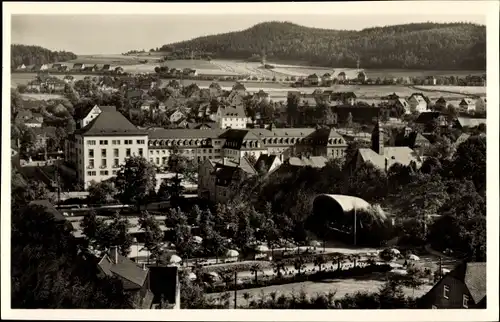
411 46
36 55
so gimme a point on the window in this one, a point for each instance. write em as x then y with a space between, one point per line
127 142
91 163
116 142
116 153
104 173
204 150
91 173
116 163
140 141
91 153
465 301
114 172
104 164
446 291
91 142
103 153
103 142
140 152
157 160
127 152
210 151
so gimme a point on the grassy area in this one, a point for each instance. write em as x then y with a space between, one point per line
341 287
40 97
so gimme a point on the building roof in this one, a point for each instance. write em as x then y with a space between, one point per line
394 154
49 208
347 203
403 102
283 132
315 161
239 86
426 117
473 275
265 161
238 136
184 133
467 101
461 139
342 96
441 100
110 123
133 275
33 120
233 111
470 122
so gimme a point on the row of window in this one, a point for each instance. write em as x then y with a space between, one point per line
116 153
102 173
115 142
104 163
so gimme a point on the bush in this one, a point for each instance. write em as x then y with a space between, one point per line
239 267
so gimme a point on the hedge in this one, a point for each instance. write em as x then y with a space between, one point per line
356 271
237 266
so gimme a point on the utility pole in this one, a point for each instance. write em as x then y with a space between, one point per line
235 289
440 267
355 225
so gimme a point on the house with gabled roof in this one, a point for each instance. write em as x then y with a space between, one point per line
312 80
78 67
361 77
467 105
239 88
267 163
135 279
342 76
383 157
441 103
106 68
462 288
418 103
68 78
233 117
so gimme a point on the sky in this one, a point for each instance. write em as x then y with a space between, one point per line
116 34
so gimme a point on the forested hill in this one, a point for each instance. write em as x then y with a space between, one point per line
29 55
415 46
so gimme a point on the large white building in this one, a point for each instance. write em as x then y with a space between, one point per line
231 117
97 150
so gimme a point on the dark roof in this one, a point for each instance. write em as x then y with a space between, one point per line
239 86
473 275
233 111
133 275
110 123
441 100
427 117
49 208
163 134
342 96
265 161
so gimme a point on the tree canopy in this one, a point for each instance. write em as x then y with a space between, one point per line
416 45
30 55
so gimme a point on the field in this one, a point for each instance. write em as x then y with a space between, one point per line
40 97
341 287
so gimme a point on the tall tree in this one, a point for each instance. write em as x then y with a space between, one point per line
101 193
135 181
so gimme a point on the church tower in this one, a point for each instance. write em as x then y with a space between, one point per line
378 139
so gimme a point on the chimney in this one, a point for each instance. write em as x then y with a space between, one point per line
143 266
386 164
114 254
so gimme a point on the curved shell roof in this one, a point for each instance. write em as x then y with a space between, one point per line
347 203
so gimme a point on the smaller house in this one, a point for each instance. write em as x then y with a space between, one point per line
343 98
21 67
90 68
56 67
106 68
78 67
462 288
403 104
418 103
326 79
63 68
467 105
146 105
342 76
312 80
267 163
55 84
239 88
390 99
427 118
190 72
261 96
35 84
135 279
176 116
40 67
119 70
441 103
362 77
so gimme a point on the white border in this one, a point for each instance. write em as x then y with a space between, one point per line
413 8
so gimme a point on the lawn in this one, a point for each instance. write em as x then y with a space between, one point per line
340 287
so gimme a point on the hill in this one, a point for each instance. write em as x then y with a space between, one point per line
29 55
411 46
